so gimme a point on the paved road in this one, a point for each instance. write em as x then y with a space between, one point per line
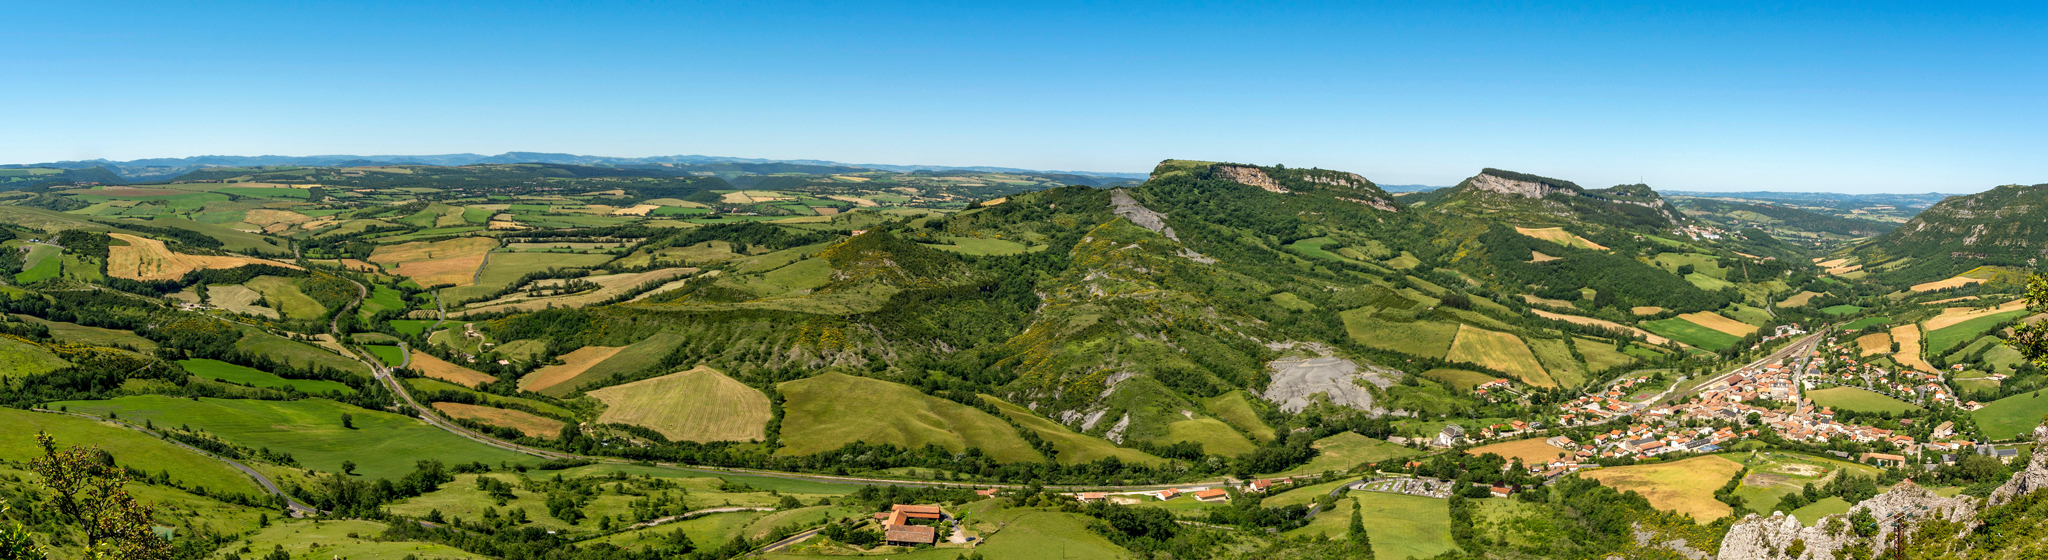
297 509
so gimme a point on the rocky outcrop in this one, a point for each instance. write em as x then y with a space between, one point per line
1296 382
1504 185
1251 176
2034 477
1122 204
1772 538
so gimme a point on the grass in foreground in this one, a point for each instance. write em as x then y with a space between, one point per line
382 445
2011 417
129 447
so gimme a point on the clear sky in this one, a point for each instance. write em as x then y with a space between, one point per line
1851 97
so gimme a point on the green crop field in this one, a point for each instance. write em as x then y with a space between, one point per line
1313 247
264 192
1945 338
96 336
285 297
1463 380
412 326
19 358
1860 324
1500 351
818 417
129 447
1215 436
215 369
1233 408
1601 354
2012 416
505 267
1773 473
1069 447
980 246
1842 310
1860 400
1691 333
382 298
1401 526
1428 339
1037 534
391 355
383 445
41 263
1345 450
1304 495
346 538
295 353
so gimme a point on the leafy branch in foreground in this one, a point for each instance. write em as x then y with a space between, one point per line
87 488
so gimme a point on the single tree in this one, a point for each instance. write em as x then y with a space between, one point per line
348 467
87 489
2032 339
348 421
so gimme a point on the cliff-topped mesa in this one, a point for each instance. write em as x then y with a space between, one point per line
1342 185
1521 184
1535 199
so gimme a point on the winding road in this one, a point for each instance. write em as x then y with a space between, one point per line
297 508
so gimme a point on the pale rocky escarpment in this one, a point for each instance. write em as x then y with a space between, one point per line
1250 176
1516 187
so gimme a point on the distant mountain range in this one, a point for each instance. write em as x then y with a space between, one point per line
164 168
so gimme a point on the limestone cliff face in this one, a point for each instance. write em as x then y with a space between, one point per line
1504 185
1250 176
1767 538
2035 477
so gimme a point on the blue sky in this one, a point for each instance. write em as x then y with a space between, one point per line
1851 97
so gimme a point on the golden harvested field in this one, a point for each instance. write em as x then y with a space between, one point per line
1908 337
1837 263
636 210
1719 323
431 263
1950 300
148 259
857 201
1798 300
1530 451
529 424
1956 282
1560 237
699 405
1842 270
267 217
1557 303
1500 351
437 368
1646 310
1651 338
1539 257
1684 486
1955 315
573 364
614 285
239 299
1875 344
